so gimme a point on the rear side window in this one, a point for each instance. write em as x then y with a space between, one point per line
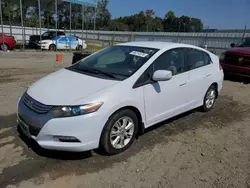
196 59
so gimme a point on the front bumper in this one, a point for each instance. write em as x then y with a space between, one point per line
86 128
43 47
236 70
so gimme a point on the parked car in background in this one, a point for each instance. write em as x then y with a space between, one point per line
109 97
34 39
236 60
63 43
7 42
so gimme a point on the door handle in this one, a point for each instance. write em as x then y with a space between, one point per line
183 84
208 75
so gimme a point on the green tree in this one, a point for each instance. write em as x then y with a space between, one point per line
103 15
149 19
157 24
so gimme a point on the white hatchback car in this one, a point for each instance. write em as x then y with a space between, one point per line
106 99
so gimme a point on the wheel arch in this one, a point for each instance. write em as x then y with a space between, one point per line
141 127
215 84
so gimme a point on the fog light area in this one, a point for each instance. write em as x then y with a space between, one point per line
66 139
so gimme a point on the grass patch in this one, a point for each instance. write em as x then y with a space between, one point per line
93 48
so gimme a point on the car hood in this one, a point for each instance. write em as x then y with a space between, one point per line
65 87
239 50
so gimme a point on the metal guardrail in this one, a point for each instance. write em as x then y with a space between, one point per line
211 40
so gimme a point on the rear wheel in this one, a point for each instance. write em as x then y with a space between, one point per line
209 98
119 132
52 47
4 47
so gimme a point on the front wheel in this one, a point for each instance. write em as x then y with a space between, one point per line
119 132
52 47
79 48
209 98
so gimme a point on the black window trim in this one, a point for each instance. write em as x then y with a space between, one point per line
150 81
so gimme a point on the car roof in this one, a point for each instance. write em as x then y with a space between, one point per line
158 45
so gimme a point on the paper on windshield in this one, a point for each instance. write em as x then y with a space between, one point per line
139 54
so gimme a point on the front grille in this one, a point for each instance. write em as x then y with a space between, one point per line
233 59
35 105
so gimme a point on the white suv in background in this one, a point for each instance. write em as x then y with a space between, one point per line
106 99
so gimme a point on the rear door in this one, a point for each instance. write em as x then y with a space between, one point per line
200 67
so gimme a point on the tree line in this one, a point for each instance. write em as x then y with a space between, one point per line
144 21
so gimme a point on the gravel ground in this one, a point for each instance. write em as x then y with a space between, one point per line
193 150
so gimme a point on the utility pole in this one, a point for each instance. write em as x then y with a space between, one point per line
1 15
40 24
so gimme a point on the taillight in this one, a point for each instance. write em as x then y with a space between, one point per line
220 67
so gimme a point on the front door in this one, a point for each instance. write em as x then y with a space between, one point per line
165 99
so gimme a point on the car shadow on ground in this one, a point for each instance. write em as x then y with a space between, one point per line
171 120
239 79
62 155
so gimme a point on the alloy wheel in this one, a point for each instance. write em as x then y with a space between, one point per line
210 98
122 132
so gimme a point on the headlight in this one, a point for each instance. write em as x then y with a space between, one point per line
222 57
44 43
68 111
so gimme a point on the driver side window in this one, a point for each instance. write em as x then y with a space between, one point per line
172 60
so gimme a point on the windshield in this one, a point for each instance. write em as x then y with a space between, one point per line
46 34
119 62
244 43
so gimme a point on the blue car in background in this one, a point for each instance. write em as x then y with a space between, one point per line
63 43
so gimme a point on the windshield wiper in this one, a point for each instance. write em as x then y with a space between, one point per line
96 71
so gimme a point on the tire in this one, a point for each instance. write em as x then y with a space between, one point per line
52 47
79 48
4 47
119 120
209 99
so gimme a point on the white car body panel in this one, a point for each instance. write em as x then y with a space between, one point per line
66 86
165 99
155 102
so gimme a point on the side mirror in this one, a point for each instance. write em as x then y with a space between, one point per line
162 75
232 45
